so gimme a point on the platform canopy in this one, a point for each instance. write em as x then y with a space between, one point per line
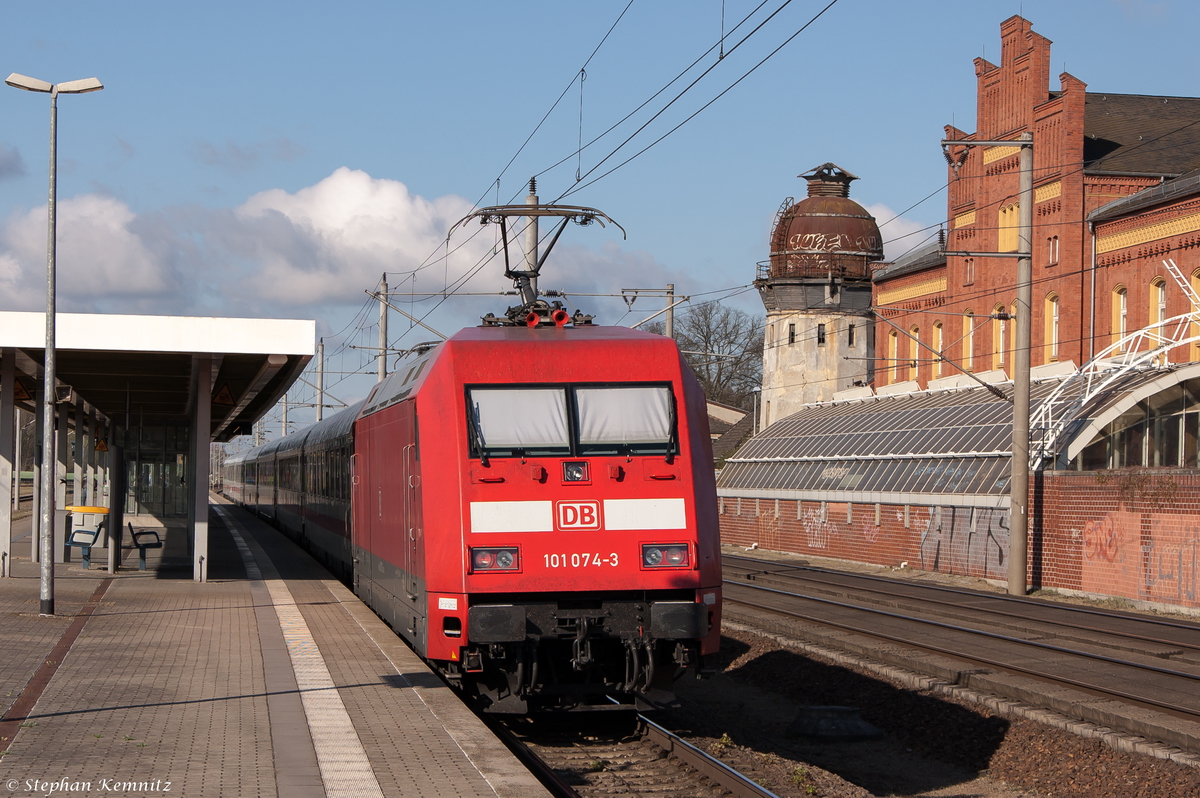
149 365
159 389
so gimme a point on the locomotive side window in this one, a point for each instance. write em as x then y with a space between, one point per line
519 422
619 420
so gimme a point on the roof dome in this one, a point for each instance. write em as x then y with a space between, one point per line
827 233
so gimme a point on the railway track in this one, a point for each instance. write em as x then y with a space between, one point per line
620 755
996 643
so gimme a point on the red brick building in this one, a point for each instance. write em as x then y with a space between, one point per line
915 469
1098 269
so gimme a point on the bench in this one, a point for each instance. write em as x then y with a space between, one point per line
84 539
144 539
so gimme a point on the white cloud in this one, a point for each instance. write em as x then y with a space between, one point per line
899 234
331 240
98 257
309 253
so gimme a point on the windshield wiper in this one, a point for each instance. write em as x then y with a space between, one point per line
671 435
476 438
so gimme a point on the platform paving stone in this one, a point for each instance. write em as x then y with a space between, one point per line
174 681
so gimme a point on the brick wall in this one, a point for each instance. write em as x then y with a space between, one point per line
1131 533
970 541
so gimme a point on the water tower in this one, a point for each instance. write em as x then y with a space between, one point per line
816 288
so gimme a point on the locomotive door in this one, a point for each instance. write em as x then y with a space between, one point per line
413 567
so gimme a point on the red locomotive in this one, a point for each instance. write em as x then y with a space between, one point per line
530 505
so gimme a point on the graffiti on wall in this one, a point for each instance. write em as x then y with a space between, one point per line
1148 556
968 541
817 529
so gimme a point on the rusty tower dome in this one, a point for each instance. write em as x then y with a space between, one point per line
827 234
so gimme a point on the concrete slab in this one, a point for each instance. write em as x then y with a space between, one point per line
199 685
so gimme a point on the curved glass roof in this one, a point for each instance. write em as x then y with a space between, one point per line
939 442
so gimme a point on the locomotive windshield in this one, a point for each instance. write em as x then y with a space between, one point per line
511 421
571 420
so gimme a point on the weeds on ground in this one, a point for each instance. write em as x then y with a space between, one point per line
721 745
799 777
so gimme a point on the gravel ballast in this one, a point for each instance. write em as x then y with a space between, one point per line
933 745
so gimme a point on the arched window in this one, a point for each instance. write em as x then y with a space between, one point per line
1195 333
1052 250
937 347
1120 313
893 355
1158 301
1158 313
1007 224
914 352
1052 328
999 344
968 358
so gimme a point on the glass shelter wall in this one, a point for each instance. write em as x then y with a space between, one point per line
156 467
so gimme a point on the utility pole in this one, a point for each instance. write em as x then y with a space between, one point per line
1018 541
284 432
381 362
670 310
1018 481
320 378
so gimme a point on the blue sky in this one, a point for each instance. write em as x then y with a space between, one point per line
273 158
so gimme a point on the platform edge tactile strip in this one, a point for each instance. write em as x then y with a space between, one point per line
501 774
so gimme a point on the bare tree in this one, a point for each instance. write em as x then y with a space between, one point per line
723 345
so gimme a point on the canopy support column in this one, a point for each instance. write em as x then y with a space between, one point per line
201 432
8 465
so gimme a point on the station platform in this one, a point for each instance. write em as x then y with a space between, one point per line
271 679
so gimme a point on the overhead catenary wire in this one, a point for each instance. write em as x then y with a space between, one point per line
693 115
983 292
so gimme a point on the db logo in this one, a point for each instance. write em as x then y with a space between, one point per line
578 515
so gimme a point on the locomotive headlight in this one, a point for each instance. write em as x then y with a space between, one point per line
656 555
575 472
491 560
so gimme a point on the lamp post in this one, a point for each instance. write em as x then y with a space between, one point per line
48 470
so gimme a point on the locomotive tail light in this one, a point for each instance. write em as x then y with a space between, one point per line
665 555
576 471
491 560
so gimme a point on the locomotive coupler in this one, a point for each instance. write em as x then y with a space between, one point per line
683 655
581 647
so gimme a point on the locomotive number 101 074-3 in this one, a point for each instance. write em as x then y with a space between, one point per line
578 560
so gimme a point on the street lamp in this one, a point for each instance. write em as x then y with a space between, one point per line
48 470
